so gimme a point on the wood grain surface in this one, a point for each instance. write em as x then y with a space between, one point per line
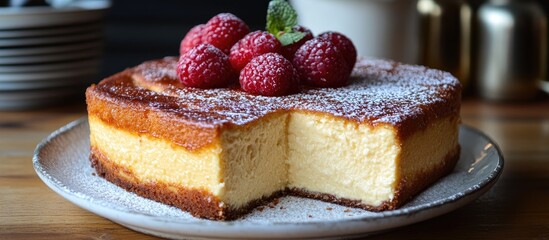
517 207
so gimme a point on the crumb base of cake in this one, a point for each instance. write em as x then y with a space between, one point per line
200 203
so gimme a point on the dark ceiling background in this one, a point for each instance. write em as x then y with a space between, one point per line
136 31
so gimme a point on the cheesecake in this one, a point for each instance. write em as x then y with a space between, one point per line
219 153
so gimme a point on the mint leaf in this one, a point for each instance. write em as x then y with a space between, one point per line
281 18
291 37
280 15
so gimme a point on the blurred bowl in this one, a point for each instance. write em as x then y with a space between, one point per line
378 28
40 50
34 17
19 100
48 31
49 67
20 42
25 86
42 76
36 59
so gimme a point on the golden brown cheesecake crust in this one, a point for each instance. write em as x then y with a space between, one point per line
380 92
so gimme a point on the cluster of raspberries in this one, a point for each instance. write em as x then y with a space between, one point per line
216 54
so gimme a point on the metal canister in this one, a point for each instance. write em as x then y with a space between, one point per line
545 5
511 50
445 27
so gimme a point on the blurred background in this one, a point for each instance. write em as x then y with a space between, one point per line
136 31
497 48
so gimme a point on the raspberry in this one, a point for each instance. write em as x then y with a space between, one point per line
288 51
224 30
192 39
252 45
320 63
344 44
204 66
270 75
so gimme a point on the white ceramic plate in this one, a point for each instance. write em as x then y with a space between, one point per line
89 53
45 67
57 30
14 52
61 161
77 12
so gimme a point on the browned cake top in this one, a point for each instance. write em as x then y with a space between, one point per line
380 92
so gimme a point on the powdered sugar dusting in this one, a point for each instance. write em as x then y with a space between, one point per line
380 91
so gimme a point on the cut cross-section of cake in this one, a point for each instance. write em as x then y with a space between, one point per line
219 153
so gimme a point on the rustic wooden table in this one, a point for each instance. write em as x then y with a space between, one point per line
517 207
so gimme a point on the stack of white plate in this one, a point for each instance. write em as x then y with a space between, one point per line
49 54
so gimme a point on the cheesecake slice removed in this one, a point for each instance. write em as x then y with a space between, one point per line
219 153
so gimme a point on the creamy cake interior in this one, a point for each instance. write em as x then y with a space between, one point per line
253 162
